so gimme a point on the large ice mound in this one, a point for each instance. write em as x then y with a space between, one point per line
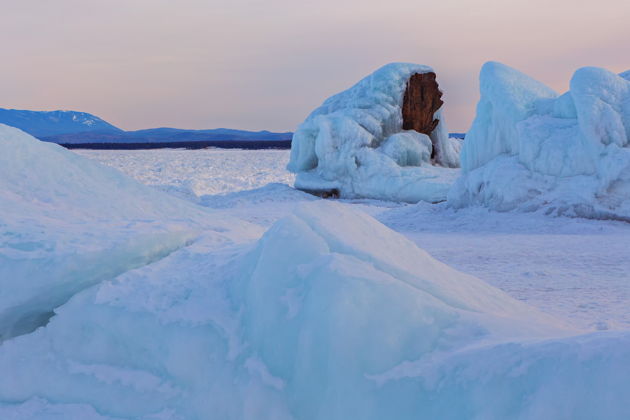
330 315
354 144
67 223
530 148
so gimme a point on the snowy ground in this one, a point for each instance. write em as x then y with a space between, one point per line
575 269
207 171
118 300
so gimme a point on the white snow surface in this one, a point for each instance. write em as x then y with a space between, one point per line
354 143
190 173
331 314
67 223
530 149
575 269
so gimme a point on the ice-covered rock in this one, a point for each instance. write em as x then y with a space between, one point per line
529 148
330 315
408 148
67 223
354 142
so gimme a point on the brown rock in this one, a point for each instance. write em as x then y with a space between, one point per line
422 99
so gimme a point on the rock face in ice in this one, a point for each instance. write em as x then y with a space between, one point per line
67 223
330 315
529 148
421 102
342 145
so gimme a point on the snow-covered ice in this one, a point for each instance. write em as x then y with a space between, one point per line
530 149
573 268
327 315
68 223
327 303
354 143
192 173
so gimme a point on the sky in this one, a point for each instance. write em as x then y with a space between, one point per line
265 64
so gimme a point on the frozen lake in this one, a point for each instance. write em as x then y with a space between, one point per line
575 269
205 171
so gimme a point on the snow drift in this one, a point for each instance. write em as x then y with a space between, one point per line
354 143
67 223
330 315
530 149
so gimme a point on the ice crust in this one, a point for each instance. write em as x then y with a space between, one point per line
67 223
531 149
348 144
330 315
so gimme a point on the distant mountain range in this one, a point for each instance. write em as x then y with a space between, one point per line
80 129
73 127
54 123
164 135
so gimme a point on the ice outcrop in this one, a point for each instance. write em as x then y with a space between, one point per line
67 223
383 138
330 315
530 148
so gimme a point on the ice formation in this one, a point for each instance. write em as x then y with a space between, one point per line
330 315
67 223
354 144
529 148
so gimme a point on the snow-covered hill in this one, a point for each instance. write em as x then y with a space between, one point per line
67 222
53 123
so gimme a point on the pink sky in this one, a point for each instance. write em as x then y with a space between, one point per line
255 64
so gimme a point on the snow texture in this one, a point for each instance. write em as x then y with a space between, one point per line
330 315
354 143
196 173
573 268
68 223
530 149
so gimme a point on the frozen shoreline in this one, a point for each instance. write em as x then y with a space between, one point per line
570 267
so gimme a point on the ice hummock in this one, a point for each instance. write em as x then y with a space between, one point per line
330 315
354 143
67 223
530 148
